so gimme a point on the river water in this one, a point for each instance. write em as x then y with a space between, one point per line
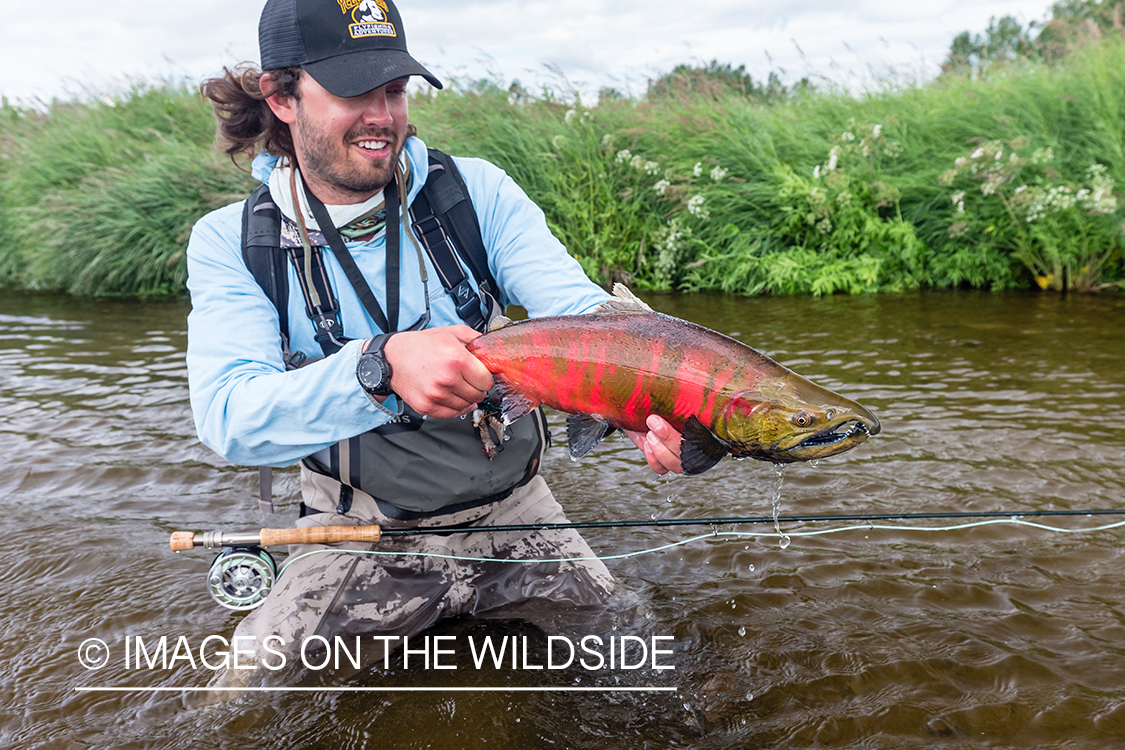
991 636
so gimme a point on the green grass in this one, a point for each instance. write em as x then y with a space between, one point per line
99 199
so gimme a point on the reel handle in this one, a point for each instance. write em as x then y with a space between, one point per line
185 540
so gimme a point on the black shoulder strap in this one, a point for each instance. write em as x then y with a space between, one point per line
443 208
262 254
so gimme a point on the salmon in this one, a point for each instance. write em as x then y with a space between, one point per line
614 367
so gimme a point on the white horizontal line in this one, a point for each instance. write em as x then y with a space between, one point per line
95 689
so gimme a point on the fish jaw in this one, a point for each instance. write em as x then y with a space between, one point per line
795 420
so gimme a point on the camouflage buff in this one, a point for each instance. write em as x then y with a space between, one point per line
336 593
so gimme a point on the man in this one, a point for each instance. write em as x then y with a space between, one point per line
374 421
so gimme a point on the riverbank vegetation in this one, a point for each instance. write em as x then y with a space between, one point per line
1002 173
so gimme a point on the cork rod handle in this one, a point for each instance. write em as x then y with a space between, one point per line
185 540
321 535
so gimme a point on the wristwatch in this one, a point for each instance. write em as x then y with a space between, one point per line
372 370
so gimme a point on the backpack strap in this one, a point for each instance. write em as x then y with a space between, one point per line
443 208
262 254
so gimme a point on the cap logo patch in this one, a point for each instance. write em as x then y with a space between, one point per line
369 18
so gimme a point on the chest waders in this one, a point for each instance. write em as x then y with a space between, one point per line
415 467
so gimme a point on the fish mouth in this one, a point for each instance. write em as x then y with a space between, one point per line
853 428
837 438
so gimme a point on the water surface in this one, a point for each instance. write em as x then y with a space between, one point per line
986 637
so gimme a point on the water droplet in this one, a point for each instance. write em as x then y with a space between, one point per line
749 696
814 463
751 567
653 516
780 468
742 631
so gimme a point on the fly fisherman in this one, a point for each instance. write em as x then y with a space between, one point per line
330 314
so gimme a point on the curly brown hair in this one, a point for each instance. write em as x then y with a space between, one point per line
245 123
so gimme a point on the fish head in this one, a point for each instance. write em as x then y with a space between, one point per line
789 418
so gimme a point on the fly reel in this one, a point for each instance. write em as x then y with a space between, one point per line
241 577
243 573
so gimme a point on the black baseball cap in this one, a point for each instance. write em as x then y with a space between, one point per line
349 47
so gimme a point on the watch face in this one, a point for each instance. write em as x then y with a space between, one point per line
372 372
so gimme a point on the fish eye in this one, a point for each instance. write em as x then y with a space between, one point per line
803 419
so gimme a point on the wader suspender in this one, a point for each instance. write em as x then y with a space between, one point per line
440 209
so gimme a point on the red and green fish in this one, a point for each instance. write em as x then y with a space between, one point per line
614 367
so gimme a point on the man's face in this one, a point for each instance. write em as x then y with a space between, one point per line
347 148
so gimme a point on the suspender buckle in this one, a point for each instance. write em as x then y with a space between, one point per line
468 305
328 327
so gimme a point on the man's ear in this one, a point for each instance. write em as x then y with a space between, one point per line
281 105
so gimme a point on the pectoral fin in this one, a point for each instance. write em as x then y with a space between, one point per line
513 404
701 449
584 431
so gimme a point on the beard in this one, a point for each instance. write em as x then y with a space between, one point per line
331 162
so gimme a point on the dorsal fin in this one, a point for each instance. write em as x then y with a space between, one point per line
499 322
624 302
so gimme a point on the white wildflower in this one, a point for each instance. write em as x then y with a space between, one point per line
651 167
696 208
568 118
959 161
977 154
847 136
959 201
875 130
607 139
833 157
558 141
824 226
999 154
623 156
718 173
816 172
697 169
1041 155
661 186
637 162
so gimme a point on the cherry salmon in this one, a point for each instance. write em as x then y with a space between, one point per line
615 366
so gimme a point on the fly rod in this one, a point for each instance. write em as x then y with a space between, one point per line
185 540
243 572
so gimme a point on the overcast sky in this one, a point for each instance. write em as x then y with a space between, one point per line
70 49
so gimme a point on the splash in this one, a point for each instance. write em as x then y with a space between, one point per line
785 540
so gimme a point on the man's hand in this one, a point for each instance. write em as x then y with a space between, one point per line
434 372
661 445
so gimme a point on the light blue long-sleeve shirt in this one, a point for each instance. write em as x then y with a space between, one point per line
249 410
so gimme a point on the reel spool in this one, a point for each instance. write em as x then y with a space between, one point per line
241 577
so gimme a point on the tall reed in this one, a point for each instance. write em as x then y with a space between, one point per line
813 193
